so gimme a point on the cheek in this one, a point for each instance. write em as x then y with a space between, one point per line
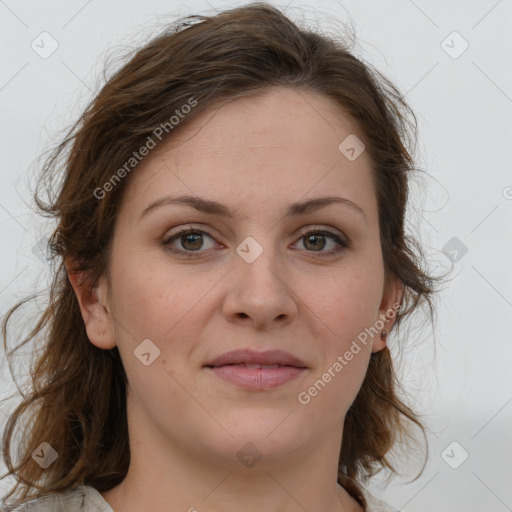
350 304
155 302
148 305
346 311
148 298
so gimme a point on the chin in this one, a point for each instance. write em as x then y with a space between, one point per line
257 438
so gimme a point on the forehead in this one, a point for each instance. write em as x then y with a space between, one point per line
281 144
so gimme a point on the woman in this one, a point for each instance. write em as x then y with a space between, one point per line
232 260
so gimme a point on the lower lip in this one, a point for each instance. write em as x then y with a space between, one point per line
258 378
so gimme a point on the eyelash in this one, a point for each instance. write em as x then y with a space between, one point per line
343 244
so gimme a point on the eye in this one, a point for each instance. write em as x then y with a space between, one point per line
315 239
191 241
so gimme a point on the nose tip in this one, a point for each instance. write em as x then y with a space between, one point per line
257 291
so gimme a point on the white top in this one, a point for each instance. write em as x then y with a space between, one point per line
87 499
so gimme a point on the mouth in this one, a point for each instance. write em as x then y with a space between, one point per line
252 370
258 366
252 358
257 377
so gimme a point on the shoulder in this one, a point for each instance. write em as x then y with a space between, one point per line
376 505
80 499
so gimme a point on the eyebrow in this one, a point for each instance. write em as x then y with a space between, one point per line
215 208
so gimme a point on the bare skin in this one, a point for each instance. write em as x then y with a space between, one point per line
257 156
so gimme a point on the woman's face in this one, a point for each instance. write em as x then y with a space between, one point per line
253 280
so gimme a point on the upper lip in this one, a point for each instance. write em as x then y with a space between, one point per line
249 356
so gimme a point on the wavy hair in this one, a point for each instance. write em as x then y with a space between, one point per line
78 391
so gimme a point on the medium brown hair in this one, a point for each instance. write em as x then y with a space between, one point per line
77 402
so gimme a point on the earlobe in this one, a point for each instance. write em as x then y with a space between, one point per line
388 310
96 316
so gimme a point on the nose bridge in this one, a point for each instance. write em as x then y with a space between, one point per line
257 261
259 291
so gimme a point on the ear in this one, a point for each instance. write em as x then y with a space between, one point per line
391 299
95 311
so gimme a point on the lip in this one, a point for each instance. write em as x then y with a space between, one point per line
229 367
257 378
249 356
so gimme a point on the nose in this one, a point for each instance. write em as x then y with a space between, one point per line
259 293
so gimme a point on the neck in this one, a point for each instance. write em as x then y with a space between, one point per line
170 475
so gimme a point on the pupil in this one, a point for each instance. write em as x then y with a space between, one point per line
188 236
309 238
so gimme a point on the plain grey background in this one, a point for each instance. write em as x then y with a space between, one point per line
453 62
